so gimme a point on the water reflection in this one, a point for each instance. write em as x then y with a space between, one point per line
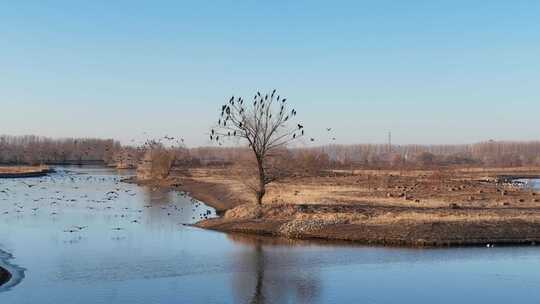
265 280
157 196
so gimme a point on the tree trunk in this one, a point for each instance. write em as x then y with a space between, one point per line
262 185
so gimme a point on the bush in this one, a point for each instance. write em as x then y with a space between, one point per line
156 164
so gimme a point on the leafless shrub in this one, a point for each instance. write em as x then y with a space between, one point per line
156 164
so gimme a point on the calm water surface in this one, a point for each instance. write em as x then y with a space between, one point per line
532 183
84 237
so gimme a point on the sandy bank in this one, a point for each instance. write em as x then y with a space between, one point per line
385 226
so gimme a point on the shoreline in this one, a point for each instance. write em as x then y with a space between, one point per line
446 225
399 234
214 195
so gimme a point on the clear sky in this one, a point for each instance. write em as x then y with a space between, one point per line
429 71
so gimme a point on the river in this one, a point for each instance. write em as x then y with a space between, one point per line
82 236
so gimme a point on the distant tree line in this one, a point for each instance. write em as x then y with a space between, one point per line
489 154
43 150
33 150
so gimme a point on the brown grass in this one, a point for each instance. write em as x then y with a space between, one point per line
22 169
423 189
455 207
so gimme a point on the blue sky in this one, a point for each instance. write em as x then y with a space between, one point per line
429 71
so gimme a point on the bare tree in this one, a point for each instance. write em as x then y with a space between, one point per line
266 125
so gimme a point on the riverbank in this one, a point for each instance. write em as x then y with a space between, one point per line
462 207
388 226
221 197
24 171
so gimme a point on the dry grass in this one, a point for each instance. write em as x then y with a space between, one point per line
392 218
419 189
22 169
387 207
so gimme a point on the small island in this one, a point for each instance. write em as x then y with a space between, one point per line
415 208
24 171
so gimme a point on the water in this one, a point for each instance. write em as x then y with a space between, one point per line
531 183
159 260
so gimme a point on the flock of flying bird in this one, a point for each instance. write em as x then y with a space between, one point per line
65 192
